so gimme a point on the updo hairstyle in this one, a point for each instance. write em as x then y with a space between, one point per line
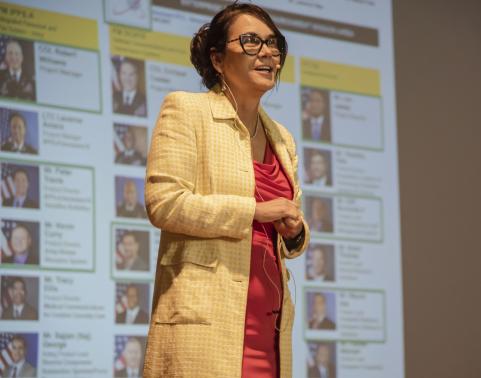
214 35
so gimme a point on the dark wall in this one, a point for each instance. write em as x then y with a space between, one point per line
438 79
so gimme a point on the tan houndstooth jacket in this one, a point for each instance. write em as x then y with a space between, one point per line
200 191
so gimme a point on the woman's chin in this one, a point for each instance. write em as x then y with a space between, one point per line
258 86
264 85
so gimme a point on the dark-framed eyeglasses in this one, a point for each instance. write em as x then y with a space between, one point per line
252 44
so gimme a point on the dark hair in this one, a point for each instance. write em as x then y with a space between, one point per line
18 279
20 170
21 339
214 35
132 62
131 234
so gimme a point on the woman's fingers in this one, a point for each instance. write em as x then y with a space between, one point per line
294 226
292 210
288 228
291 222
277 209
281 228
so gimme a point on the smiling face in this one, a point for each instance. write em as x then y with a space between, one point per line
131 247
17 129
132 297
323 355
316 105
128 76
319 210
319 305
130 193
317 166
247 75
133 354
129 140
318 260
20 180
20 240
14 56
18 293
17 350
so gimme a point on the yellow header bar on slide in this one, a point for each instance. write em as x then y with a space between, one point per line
147 45
44 26
341 77
163 47
288 74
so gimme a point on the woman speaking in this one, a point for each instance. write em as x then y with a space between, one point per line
222 185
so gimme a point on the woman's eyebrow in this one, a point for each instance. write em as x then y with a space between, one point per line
271 35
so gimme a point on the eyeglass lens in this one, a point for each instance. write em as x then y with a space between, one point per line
252 44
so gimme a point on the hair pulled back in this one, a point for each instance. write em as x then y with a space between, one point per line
213 35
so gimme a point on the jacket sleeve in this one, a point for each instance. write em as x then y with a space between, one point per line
302 246
170 197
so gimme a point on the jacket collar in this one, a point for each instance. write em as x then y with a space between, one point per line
220 105
279 146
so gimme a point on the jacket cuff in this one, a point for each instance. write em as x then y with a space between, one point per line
297 250
296 241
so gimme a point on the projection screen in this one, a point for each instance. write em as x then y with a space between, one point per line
73 157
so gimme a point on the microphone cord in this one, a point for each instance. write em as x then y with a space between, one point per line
278 290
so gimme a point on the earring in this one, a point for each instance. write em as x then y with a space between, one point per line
223 86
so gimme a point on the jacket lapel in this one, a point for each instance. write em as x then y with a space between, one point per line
279 146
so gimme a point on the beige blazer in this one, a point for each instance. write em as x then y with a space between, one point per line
200 191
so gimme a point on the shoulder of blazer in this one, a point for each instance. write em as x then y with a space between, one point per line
190 104
186 98
183 106
213 101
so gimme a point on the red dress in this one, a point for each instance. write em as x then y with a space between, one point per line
261 339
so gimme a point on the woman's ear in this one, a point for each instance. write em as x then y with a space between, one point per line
216 59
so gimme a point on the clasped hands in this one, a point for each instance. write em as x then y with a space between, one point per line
283 213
